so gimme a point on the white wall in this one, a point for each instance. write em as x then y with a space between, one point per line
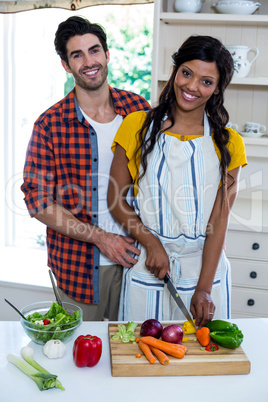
20 295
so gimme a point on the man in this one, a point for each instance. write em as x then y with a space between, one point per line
66 175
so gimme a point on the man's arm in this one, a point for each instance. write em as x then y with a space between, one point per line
113 246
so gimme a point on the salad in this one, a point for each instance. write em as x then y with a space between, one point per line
56 323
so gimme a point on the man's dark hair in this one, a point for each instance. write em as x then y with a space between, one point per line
76 26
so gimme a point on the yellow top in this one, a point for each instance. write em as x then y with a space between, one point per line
127 136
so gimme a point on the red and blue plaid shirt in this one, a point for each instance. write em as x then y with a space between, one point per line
62 166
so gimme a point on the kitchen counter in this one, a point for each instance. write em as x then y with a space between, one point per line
97 384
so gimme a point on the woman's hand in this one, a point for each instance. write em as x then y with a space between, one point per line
202 308
157 261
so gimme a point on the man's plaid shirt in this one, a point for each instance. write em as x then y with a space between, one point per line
62 166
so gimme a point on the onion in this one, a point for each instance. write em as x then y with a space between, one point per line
172 333
151 328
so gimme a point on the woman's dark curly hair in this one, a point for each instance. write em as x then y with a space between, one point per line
196 47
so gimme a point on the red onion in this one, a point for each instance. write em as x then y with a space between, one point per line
151 328
172 333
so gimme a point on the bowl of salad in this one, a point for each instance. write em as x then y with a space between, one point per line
48 320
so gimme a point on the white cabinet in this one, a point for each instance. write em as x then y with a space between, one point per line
246 99
248 255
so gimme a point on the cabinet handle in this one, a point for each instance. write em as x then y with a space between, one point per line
251 302
253 275
255 246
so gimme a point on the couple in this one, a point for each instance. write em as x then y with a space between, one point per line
184 166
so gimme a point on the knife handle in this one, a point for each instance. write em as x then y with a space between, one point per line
166 278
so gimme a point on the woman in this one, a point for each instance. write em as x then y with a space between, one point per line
185 165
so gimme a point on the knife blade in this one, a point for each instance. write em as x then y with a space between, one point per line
177 298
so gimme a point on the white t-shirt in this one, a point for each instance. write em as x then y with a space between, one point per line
105 135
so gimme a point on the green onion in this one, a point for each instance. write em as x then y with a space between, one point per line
32 369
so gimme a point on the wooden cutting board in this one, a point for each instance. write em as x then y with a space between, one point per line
124 362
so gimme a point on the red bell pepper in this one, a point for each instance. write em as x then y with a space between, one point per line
87 350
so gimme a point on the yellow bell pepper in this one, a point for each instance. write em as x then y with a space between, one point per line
188 328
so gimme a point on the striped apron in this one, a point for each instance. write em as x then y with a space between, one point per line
175 200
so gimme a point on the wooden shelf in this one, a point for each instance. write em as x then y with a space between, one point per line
213 18
260 81
256 147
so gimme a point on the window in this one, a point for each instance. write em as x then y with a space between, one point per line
33 80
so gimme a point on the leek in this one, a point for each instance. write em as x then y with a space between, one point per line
32 369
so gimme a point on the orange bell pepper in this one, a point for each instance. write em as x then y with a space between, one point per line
203 336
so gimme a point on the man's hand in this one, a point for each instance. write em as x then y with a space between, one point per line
117 248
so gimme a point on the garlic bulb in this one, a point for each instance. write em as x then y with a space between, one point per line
54 349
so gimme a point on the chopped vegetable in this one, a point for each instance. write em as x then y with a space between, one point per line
147 352
151 327
161 356
46 321
185 339
212 347
54 349
188 328
59 319
32 369
87 350
125 333
203 336
138 355
172 349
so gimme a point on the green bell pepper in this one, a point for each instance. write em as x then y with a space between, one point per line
225 334
220 325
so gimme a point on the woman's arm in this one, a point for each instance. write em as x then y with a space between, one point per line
157 261
201 303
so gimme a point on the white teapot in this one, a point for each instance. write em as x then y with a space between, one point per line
188 6
240 56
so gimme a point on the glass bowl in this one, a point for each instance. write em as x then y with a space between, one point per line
40 333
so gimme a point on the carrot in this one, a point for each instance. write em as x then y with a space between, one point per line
138 355
172 349
147 352
161 356
137 340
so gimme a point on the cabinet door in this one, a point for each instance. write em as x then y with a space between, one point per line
252 274
247 245
251 302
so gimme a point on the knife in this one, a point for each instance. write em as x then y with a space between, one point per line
177 298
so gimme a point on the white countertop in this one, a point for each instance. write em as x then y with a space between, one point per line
96 384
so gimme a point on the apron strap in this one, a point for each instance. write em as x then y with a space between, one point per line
207 131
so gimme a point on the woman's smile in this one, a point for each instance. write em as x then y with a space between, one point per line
187 96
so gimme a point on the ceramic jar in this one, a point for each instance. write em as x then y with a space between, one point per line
240 56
